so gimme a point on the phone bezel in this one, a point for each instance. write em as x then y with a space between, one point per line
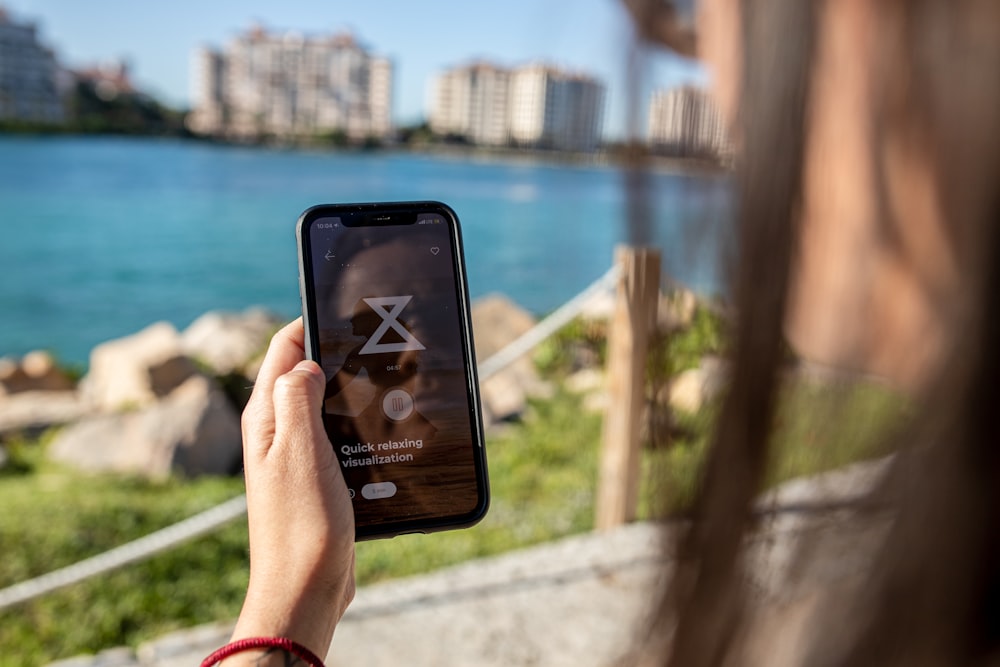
393 213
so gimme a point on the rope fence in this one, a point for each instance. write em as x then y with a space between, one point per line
131 552
547 327
212 519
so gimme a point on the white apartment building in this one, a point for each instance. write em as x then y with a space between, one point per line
535 105
290 85
28 71
472 102
551 108
686 122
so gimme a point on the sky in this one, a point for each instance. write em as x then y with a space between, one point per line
422 39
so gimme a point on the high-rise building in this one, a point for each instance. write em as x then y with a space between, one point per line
686 122
472 102
535 105
28 72
449 109
551 108
290 85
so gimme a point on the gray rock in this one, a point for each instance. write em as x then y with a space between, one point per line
592 383
44 373
193 430
496 322
586 381
36 371
600 306
691 389
8 366
36 410
230 342
12 378
676 309
166 375
136 370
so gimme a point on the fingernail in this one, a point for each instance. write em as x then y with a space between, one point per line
308 366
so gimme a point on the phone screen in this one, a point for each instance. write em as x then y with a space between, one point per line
386 307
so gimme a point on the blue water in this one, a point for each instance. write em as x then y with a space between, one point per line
102 236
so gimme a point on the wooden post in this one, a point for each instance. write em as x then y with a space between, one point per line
637 299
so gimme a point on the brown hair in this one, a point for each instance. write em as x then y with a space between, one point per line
933 596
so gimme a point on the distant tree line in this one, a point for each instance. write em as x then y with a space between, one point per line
123 113
88 111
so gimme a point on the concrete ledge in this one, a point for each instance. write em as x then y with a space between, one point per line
584 601
575 602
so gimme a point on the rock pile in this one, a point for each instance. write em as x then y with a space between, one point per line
163 401
35 393
496 322
151 403
36 371
688 391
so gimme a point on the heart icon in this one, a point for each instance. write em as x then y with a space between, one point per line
435 250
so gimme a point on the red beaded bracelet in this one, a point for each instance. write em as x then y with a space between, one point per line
251 643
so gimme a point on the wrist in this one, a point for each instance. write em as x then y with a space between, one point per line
280 614
307 613
263 652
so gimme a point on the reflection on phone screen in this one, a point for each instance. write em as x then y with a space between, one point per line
391 341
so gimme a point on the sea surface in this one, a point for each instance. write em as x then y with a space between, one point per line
103 236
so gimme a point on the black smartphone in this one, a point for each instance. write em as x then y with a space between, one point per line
386 308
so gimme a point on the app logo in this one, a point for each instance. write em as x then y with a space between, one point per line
381 305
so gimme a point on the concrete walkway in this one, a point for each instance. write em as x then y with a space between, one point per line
580 601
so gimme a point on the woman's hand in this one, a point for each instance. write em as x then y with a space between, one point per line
300 515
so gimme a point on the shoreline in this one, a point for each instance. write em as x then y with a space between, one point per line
616 156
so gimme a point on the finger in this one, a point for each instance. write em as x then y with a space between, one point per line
285 350
297 397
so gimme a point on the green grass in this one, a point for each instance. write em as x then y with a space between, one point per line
542 477
818 427
543 474
53 518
